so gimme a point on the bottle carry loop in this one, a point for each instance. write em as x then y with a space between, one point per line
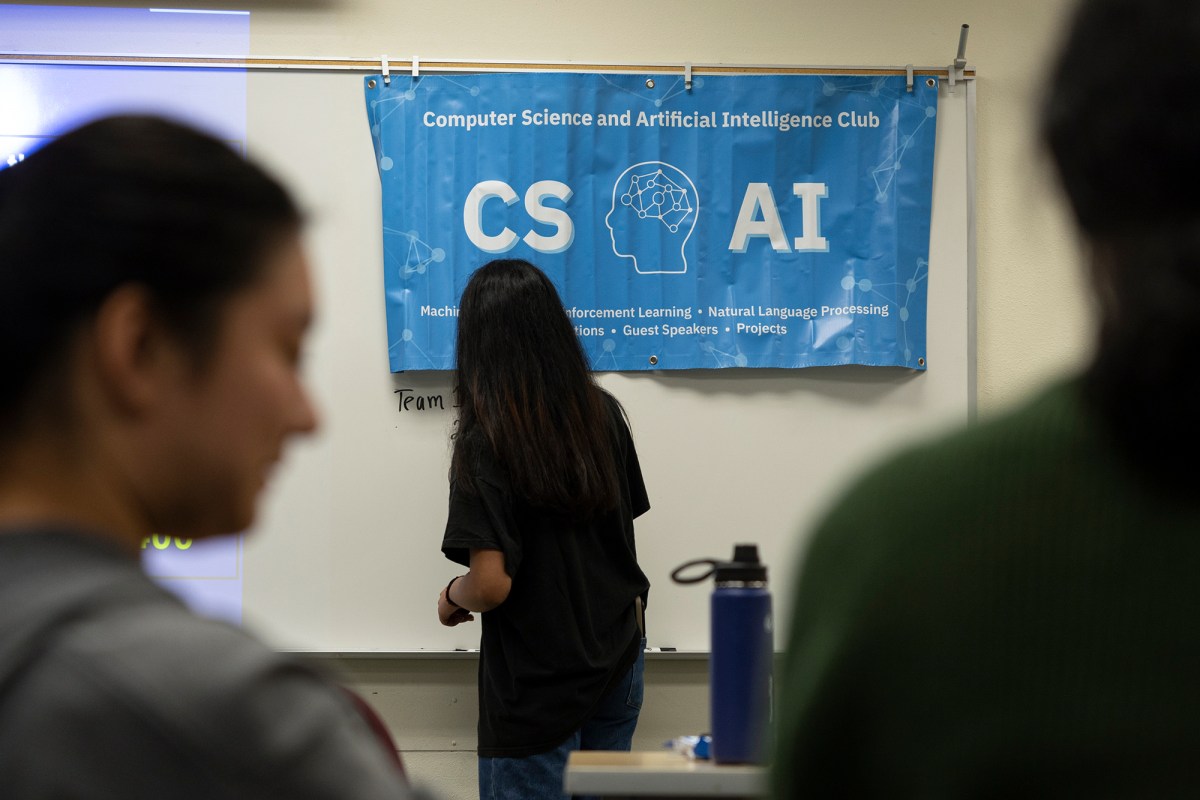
744 569
678 577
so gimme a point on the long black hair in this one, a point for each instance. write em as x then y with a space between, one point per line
124 200
1122 124
525 390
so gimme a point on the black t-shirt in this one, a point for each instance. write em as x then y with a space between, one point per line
567 630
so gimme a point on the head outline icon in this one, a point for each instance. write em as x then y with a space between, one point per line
659 194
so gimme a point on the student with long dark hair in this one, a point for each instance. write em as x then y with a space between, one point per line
544 486
154 299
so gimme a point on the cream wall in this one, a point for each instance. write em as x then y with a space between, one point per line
1032 313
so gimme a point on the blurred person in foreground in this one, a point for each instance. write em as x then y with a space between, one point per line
154 300
1012 611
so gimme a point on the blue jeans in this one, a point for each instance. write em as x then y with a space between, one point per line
540 777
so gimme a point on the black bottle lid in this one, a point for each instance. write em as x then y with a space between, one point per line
744 568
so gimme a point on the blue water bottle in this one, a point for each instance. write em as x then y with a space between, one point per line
740 665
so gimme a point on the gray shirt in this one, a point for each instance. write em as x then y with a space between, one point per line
111 687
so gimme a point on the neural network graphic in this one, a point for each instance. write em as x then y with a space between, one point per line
654 195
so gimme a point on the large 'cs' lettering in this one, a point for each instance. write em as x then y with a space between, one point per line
506 239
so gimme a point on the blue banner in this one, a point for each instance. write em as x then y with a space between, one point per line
749 221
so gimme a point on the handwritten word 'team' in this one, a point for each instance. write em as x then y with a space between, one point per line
409 400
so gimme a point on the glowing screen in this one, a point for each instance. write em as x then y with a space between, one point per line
39 101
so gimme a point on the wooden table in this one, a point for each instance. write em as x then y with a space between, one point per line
659 774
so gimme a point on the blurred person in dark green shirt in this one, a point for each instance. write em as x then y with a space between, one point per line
1012 610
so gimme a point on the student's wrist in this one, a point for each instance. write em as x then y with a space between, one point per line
449 599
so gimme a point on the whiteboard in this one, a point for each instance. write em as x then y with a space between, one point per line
345 556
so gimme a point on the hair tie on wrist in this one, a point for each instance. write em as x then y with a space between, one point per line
447 592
